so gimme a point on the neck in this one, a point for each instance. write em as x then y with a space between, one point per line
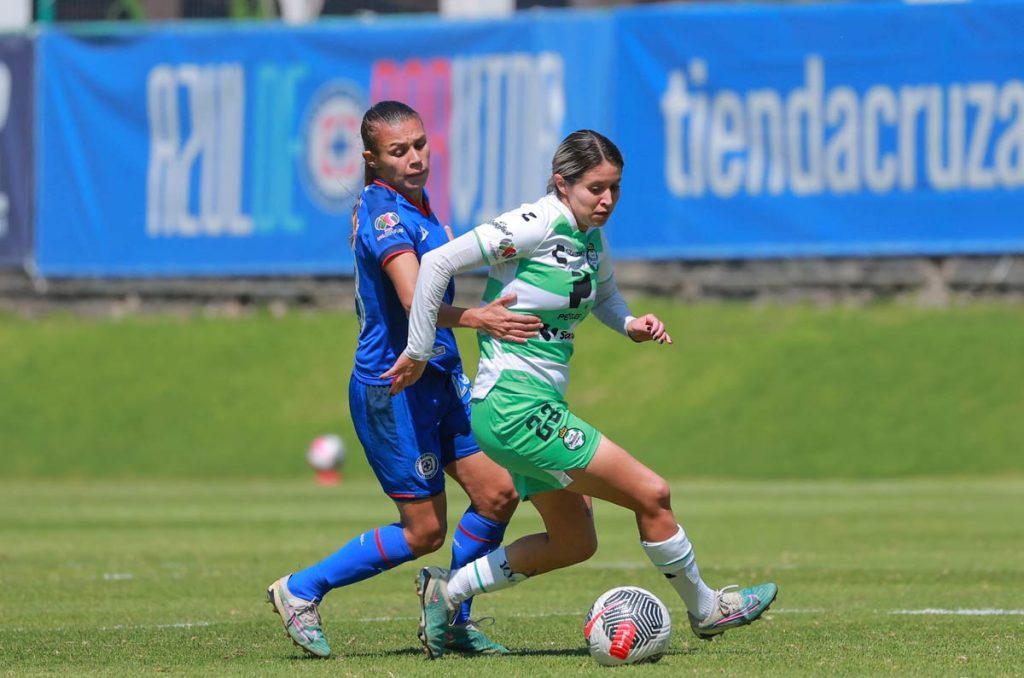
415 197
579 224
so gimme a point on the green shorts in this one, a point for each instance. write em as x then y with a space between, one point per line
525 425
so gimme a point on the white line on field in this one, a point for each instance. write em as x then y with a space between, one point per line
118 576
984 612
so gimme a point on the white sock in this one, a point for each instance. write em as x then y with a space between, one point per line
674 556
483 575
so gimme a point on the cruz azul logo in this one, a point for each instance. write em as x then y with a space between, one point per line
332 148
426 466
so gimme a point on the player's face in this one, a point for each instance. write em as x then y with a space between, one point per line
592 199
402 157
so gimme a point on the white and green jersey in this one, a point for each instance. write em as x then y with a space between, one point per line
558 273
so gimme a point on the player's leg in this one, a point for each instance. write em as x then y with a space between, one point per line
392 442
616 476
481 528
569 538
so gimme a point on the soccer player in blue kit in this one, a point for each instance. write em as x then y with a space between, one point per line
413 438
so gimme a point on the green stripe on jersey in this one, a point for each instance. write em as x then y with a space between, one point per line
493 289
486 345
548 278
561 226
558 351
480 245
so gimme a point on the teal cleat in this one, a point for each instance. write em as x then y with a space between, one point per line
469 639
436 610
301 618
734 608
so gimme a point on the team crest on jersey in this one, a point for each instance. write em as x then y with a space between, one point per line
591 255
572 438
505 249
332 150
426 466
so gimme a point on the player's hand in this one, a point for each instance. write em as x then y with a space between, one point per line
404 373
648 328
496 320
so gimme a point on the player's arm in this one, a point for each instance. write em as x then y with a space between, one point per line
489 243
612 310
435 272
494 318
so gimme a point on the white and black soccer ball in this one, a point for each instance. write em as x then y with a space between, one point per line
326 453
627 625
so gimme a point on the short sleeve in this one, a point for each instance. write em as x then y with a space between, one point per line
388 236
513 235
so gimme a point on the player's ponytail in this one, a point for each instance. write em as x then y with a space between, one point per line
581 151
381 113
355 221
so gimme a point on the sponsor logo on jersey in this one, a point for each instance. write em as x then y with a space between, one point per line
572 438
505 249
591 256
426 466
389 232
462 386
332 150
502 226
570 316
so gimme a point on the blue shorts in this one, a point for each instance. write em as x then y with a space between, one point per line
410 438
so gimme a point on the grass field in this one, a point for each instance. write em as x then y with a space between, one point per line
876 578
782 392
867 459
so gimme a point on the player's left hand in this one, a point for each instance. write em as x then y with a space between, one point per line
648 328
404 373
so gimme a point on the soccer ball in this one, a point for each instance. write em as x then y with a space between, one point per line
627 625
326 453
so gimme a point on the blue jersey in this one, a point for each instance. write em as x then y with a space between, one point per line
388 225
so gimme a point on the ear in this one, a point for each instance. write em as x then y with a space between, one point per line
560 185
370 158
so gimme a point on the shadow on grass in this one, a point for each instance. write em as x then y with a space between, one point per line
582 652
414 651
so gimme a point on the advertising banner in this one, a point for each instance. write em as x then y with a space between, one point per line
16 167
236 150
822 130
748 131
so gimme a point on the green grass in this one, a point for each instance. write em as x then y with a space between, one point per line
751 391
128 577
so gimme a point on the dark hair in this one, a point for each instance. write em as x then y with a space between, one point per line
581 151
381 113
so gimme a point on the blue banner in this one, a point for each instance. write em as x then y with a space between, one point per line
16 167
236 150
748 131
822 130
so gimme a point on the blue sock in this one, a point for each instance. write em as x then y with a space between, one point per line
474 537
368 554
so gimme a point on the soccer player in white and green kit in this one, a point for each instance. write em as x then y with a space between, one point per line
553 256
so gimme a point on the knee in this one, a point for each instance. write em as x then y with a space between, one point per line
425 538
574 550
657 497
499 503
